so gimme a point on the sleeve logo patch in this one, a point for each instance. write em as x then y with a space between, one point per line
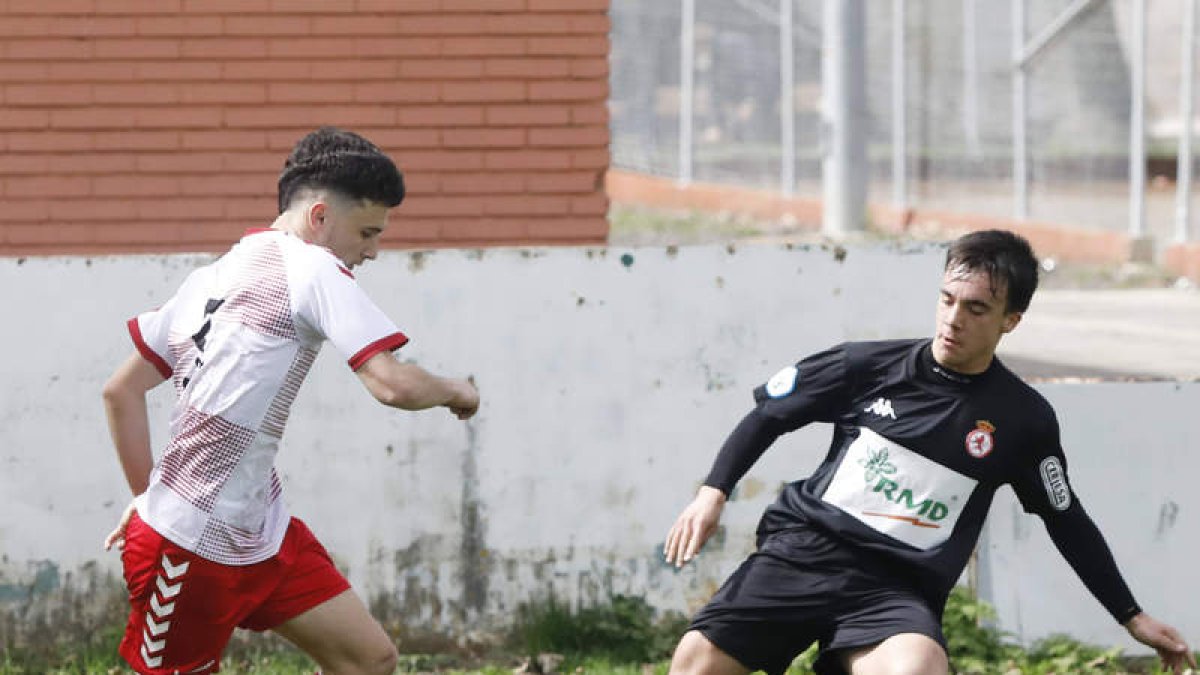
783 383
1055 481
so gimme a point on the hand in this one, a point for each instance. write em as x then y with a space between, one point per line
694 526
466 399
117 536
1164 639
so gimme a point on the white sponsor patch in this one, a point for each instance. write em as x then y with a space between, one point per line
783 383
1055 481
897 492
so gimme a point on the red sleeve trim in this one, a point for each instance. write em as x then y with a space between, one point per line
345 271
135 332
389 343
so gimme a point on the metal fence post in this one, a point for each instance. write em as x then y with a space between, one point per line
1183 184
1137 123
1020 142
899 108
687 89
843 106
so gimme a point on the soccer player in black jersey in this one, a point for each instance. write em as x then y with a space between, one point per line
862 554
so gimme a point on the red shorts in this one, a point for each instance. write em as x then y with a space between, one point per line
184 608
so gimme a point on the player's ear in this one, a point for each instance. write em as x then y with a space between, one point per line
317 216
1011 320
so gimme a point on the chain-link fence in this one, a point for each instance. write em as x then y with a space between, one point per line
960 122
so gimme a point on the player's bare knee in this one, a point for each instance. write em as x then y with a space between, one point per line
695 655
383 660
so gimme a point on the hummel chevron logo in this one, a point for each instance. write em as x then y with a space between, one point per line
153 662
168 592
160 610
156 628
174 571
881 407
153 645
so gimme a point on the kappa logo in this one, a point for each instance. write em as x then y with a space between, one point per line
882 407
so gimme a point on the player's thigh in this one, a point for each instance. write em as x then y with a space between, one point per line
696 654
342 636
902 654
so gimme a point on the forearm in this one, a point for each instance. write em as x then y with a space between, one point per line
129 427
406 385
748 441
1081 544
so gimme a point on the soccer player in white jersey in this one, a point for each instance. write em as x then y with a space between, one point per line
207 543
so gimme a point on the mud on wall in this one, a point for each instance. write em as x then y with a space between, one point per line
609 379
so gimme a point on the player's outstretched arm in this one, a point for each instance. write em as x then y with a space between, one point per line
694 526
1170 646
409 387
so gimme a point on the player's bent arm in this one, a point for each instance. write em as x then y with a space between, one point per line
1077 538
128 423
409 387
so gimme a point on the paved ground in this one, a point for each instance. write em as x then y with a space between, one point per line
1108 334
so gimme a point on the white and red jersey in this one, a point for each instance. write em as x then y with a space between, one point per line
237 339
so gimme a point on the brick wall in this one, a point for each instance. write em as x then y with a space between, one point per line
161 125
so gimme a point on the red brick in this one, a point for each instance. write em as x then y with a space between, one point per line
49 49
277 117
129 7
597 24
569 137
589 67
568 5
483 138
179 207
32 95
224 139
136 48
180 162
179 26
528 24
403 138
269 25
175 71
578 229
569 46
27 26
20 71
440 161
482 183
271 70
477 46
143 93
441 68
484 230
379 24
271 162
568 91
93 71
90 163
396 46
180 117
596 113
312 6
596 204
476 6
590 159
458 205
135 186
527 115
25 210
152 232
227 92
483 92
420 183
222 7
363 69
439 24
566 181
404 229
47 233
439 116
93 209
221 185
15 164
127 141
526 159
528 205
48 141
23 119
397 92
305 92
47 186
408 6
251 207
531 68
58 7
217 48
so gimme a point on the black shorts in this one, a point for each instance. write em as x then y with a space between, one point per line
801 587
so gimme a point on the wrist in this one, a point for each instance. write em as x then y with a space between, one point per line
711 493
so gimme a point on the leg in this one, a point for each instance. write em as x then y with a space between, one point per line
901 654
695 655
340 635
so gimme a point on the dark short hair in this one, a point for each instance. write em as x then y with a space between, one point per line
344 162
1007 259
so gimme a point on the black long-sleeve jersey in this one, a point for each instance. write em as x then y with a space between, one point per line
918 452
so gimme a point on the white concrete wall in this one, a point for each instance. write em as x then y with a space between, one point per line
609 380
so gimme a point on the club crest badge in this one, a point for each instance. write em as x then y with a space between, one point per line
980 441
